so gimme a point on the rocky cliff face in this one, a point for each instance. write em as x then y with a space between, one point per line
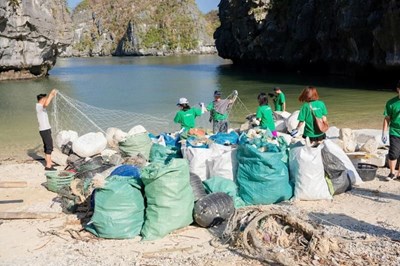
31 34
337 36
127 27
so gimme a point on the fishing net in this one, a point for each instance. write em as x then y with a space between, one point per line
71 114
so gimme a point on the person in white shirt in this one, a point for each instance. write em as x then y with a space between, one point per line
44 126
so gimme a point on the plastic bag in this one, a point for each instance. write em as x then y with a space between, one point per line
135 144
89 144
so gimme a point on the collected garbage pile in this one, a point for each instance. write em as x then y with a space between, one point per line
135 183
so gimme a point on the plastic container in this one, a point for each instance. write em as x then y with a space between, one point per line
56 180
367 171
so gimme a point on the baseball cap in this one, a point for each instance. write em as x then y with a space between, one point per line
217 93
182 101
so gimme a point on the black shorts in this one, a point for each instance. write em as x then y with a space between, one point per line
322 137
47 141
394 148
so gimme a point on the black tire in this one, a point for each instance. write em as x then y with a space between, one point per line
213 209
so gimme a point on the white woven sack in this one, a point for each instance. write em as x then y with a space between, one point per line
307 171
223 162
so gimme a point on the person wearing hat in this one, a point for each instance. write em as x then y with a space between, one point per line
44 126
279 100
392 120
186 115
219 111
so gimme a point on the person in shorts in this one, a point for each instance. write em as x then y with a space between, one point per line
44 126
392 120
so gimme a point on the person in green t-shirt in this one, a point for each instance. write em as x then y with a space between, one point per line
186 115
392 119
264 114
279 100
311 104
219 111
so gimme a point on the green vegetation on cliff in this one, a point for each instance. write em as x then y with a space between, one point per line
168 25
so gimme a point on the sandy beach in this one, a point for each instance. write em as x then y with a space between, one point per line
365 220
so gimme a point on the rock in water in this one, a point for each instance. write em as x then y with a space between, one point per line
32 35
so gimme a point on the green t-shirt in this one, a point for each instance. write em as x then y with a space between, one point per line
187 118
279 101
306 116
215 115
264 112
392 109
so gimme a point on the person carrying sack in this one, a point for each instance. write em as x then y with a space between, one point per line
311 110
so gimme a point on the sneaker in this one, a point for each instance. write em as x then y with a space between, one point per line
390 177
50 169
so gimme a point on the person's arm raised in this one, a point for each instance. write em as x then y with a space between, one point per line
52 94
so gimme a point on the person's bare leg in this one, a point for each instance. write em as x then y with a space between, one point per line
392 166
49 163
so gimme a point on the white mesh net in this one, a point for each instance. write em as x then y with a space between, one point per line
71 114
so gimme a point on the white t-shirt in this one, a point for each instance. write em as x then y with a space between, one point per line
42 117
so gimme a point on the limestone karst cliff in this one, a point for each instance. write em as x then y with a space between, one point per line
346 37
32 33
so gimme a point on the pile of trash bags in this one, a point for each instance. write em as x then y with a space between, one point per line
136 183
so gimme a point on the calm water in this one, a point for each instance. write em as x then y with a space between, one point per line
152 85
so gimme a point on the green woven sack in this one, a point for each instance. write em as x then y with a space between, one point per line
169 196
118 210
221 184
139 143
262 177
162 154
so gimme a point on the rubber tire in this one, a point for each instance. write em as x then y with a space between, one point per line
213 209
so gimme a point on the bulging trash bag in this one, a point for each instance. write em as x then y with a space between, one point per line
135 144
220 184
65 136
119 209
336 171
213 209
89 144
127 170
262 177
223 162
163 154
197 158
169 196
333 148
197 186
307 172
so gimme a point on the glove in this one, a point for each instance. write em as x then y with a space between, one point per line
235 93
275 134
384 138
255 121
294 132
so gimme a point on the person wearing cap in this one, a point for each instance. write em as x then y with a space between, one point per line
44 126
392 120
186 115
219 111
279 100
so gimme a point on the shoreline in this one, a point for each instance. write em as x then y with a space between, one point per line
363 220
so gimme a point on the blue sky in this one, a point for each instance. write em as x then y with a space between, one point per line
204 5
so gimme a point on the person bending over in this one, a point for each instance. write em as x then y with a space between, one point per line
311 106
264 114
44 126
